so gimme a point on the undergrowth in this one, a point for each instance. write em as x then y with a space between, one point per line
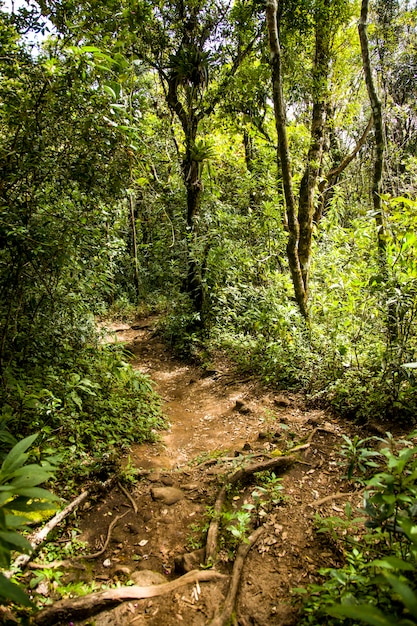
86 406
377 583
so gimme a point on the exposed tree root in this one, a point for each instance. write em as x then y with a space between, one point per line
225 616
334 496
87 606
38 538
128 496
95 555
242 474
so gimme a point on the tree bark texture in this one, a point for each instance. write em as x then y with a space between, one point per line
191 172
284 155
376 105
315 153
378 128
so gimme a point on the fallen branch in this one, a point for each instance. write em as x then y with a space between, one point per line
229 605
95 555
241 474
87 606
128 496
37 539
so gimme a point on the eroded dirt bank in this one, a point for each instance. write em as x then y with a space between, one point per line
217 424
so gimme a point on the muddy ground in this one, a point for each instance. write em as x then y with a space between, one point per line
217 422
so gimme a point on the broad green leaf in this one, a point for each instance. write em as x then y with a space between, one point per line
15 539
16 456
33 470
11 591
408 596
363 612
392 562
35 492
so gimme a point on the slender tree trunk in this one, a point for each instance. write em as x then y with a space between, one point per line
194 188
378 129
376 106
280 122
134 243
315 153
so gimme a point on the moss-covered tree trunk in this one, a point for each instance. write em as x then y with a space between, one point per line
300 214
377 180
284 153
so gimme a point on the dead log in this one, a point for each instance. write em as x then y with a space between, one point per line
282 463
224 618
87 606
38 538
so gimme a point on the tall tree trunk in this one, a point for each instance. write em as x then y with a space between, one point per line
378 165
280 123
315 153
132 216
378 130
192 171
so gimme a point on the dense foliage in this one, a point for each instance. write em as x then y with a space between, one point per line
153 156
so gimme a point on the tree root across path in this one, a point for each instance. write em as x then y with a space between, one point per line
86 606
225 616
242 474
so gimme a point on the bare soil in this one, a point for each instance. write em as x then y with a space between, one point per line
216 422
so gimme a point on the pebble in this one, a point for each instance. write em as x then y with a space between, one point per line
167 495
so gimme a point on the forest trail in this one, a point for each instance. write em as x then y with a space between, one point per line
217 423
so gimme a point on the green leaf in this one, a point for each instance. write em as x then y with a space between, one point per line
363 612
12 592
34 492
17 540
407 595
392 562
110 91
16 456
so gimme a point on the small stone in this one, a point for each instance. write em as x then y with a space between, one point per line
190 486
43 588
167 480
122 571
190 560
155 477
242 407
107 563
146 577
208 373
282 401
167 495
132 529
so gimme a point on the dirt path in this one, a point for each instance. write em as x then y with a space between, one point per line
215 420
